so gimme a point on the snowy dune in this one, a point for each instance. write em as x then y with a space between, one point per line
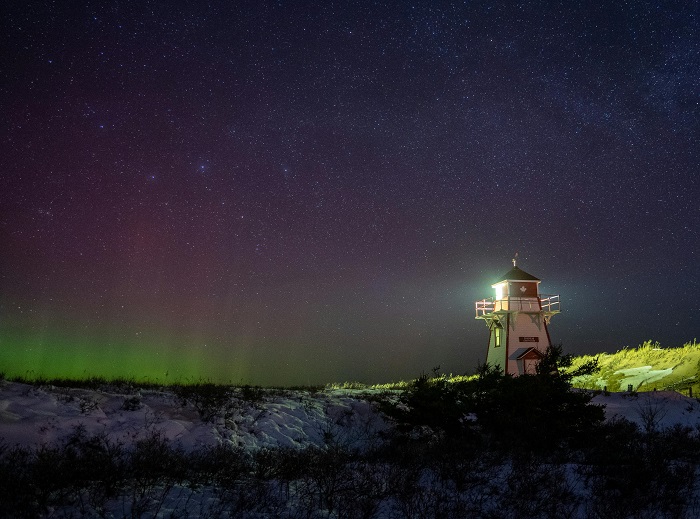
660 409
327 482
31 416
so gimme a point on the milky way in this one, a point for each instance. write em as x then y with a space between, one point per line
304 192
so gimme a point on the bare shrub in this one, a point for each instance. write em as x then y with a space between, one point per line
535 489
651 412
210 400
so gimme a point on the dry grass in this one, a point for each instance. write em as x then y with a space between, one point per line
646 367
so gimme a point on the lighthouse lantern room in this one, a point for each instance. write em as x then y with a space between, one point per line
517 318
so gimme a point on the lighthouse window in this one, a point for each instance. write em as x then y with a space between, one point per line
500 291
496 337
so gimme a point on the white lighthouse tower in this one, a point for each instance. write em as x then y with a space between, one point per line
517 318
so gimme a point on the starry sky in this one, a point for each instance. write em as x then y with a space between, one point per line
294 192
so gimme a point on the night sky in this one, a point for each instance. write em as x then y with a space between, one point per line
306 192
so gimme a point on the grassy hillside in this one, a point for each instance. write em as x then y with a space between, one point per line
645 368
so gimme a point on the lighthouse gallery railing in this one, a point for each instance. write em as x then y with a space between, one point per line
545 303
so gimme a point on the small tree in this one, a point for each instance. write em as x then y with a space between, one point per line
438 404
539 411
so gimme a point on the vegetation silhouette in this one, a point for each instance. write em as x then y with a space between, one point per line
488 445
535 412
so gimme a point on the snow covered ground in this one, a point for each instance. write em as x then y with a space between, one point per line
31 416
657 409
254 421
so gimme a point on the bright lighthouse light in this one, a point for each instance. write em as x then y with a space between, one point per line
499 291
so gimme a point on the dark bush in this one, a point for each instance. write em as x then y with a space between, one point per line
210 400
539 412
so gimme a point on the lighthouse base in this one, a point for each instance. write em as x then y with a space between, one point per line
517 341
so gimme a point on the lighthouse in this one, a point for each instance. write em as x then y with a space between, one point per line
518 318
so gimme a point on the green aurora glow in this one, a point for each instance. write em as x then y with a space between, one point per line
60 355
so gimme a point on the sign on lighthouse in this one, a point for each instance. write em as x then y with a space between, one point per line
517 318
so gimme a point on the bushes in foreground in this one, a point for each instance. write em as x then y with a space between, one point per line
539 412
644 476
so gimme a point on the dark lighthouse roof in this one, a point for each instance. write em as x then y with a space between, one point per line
515 274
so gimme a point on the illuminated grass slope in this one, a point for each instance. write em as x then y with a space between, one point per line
645 368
